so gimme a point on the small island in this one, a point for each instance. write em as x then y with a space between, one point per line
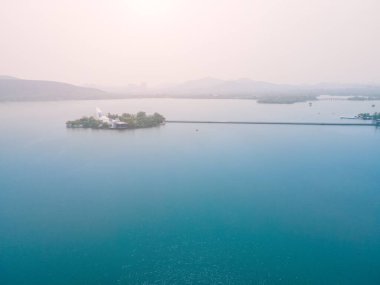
114 121
286 99
375 117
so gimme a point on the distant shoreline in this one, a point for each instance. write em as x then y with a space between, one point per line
16 89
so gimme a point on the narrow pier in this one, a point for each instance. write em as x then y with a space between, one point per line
270 123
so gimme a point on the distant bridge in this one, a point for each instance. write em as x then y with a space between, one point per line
271 123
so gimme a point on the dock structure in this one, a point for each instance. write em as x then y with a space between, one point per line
270 123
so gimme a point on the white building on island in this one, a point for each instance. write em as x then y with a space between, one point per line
114 123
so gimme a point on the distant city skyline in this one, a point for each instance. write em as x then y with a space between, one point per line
121 42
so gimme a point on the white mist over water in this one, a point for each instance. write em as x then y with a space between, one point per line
193 109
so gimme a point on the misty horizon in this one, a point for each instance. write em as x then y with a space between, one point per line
123 42
146 85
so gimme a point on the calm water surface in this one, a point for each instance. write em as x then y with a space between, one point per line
227 204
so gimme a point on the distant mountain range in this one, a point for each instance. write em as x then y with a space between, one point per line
224 88
14 89
250 88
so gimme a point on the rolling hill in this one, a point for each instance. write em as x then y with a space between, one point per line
14 89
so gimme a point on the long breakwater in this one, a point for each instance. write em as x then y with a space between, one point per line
270 123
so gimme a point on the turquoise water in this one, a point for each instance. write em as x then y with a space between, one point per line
239 204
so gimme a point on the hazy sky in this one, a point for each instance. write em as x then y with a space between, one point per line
116 42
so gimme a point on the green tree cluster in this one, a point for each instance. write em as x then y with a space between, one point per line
368 116
142 120
87 122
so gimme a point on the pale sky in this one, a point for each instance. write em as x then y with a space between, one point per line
117 42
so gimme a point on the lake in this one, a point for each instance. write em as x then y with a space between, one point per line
187 203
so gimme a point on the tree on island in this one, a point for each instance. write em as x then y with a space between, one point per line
88 122
368 116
